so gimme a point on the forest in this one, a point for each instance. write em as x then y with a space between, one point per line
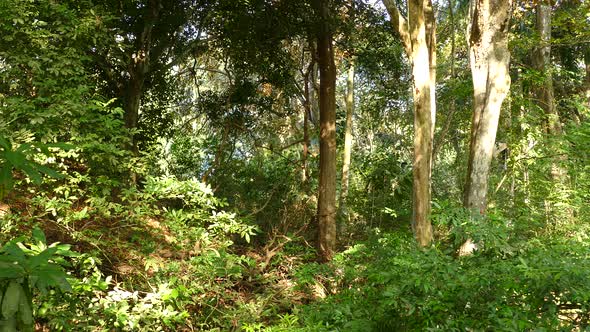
294 165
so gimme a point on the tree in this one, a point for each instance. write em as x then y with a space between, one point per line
489 57
150 37
417 33
327 101
347 141
541 59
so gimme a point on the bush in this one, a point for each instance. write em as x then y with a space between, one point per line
388 284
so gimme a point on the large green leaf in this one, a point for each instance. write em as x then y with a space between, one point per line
15 158
23 148
31 172
11 270
8 325
49 171
5 144
25 311
42 258
15 252
39 236
52 275
11 299
6 181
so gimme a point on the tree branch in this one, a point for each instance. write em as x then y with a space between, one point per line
399 23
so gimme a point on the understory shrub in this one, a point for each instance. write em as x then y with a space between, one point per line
388 284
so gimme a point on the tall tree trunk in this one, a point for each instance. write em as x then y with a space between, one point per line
541 60
545 99
417 33
132 101
342 210
327 185
138 68
452 106
307 91
489 58
305 152
587 80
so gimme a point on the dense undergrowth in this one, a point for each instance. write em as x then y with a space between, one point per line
169 256
89 252
100 255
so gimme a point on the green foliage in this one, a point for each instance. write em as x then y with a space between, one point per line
168 284
25 270
20 159
387 284
222 97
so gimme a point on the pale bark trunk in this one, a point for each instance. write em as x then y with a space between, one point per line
541 61
305 152
342 210
418 37
327 185
489 59
306 118
546 101
587 81
452 106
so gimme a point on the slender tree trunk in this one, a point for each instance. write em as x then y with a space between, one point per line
452 106
314 88
342 210
307 91
305 152
541 60
489 59
327 185
587 80
417 33
545 99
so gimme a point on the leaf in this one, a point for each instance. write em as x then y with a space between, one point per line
15 252
64 250
11 270
49 171
4 143
52 275
42 258
8 325
23 148
39 236
15 158
25 311
11 299
6 181
33 174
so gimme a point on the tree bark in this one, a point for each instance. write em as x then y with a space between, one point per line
138 68
305 152
544 96
417 33
541 60
489 58
452 106
327 183
307 111
342 210
587 78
